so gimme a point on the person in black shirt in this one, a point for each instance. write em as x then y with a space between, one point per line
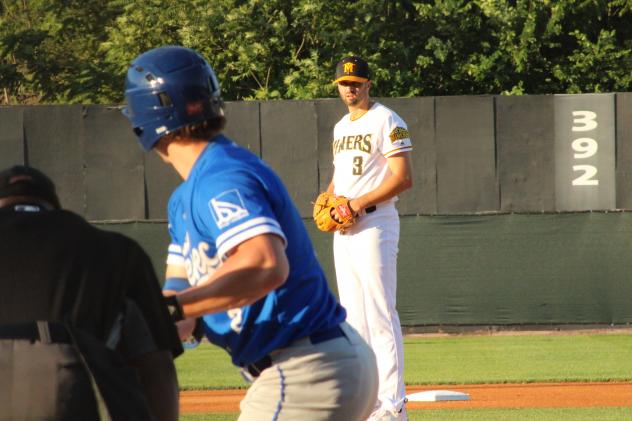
84 331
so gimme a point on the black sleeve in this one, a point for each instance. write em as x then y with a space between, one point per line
144 291
132 337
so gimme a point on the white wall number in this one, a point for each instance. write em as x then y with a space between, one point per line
584 147
586 178
587 121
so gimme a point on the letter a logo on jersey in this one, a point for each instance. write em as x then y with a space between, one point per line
227 208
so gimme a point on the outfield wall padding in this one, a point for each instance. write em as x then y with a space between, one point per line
289 143
160 181
243 124
114 173
525 146
516 269
11 137
55 145
624 150
483 237
328 112
471 154
466 157
492 270
585 152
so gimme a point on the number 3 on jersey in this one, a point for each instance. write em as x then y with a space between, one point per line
357 165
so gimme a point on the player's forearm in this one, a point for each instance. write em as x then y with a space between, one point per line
257 266
230 290
330 187
391 187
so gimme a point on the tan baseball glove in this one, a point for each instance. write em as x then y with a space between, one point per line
333 213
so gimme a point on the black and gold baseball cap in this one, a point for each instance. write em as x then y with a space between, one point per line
21 180
352 68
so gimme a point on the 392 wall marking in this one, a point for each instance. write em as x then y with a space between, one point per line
584 147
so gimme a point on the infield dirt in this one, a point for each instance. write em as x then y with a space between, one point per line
528 395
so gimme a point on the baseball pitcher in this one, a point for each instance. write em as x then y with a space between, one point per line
371 155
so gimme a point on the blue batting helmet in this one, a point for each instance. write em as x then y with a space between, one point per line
168 88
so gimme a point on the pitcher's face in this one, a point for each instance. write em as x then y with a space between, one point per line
354 93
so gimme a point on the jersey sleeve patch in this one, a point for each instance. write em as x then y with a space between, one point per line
227 207
398 133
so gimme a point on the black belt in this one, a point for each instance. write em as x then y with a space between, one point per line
46 332
257 367
326 335
370 209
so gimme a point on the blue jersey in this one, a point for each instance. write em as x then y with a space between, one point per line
231 196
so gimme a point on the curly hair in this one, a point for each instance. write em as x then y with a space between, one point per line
202 130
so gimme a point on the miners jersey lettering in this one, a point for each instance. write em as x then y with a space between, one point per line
358 142
229 197
361 148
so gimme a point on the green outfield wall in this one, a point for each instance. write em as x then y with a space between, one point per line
509 269
519 213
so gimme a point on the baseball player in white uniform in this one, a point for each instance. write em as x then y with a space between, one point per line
372 165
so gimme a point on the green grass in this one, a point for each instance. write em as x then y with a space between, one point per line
583 414
207 367
579 414
518 359
466 359
462 359
209 416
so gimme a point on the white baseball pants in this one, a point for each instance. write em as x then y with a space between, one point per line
334 380
366 271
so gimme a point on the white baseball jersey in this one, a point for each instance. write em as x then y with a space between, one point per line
361 147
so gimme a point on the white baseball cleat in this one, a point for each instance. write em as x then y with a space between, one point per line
390 412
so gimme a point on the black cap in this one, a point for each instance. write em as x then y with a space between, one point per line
352 68
26 181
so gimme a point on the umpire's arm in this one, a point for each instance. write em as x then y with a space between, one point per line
158 377
154 364
154 367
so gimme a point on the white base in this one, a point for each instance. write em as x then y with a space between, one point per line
438 395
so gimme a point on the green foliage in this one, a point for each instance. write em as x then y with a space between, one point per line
48 51
71 51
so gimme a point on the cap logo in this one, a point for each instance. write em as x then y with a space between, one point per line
349 67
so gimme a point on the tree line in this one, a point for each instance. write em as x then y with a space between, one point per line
77 51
